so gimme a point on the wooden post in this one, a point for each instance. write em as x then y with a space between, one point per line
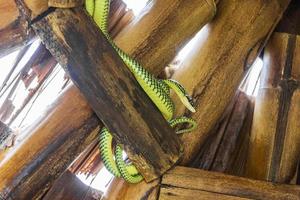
275 139
111 90
187 183
216 65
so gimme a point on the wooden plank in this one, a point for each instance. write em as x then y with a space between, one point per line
274 145
111 90
170 193
215 182
215 66
65 3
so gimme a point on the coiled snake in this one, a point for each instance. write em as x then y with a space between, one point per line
157 90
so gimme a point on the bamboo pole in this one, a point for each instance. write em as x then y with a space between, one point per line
274 145
216 65
14 32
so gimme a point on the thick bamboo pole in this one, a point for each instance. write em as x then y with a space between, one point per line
216 65
28 170
14 32
274 145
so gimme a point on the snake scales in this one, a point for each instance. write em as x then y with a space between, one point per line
157 90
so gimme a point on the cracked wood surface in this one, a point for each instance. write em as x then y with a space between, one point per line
188 183
111 90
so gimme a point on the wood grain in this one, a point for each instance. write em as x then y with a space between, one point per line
215 66
162 29
14 31
274 144
111 90
65 3
178 182
28 169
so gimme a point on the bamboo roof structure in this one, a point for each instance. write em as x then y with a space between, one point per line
62 81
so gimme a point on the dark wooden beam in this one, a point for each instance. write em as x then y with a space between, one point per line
111 90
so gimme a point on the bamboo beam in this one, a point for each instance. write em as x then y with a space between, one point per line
49 150
111 90
274 145
14 32
216 65
188 183
162 29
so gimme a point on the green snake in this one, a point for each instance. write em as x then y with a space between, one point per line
157 90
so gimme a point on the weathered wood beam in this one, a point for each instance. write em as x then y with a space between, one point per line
274 146
188 183
216 65
111 90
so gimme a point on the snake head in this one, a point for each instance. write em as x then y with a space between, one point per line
188 102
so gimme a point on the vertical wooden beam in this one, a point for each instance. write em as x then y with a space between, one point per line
219 59
275 138
111 90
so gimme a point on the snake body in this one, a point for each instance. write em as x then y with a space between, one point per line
157 90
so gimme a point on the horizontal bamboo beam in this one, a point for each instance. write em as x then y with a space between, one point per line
28 169
111 90
274 146
163 28
188 183
220 58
